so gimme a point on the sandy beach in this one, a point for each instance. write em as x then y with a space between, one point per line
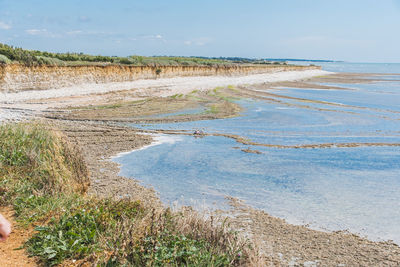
161 87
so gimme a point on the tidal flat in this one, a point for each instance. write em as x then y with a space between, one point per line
318 164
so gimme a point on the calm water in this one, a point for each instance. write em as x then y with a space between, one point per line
335 189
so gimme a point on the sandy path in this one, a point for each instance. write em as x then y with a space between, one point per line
165 86
9 256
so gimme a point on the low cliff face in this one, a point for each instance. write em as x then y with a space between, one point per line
16 77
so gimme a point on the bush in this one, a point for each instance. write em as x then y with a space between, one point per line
4 59
125 61
34 57
50 61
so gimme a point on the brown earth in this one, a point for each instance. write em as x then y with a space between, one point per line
16 77
10 254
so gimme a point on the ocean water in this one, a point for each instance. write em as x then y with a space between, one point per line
355 189
387 68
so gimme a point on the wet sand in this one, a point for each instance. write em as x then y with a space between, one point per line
280 243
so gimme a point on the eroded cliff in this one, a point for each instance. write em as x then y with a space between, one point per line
15 77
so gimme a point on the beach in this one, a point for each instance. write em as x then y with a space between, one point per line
91 115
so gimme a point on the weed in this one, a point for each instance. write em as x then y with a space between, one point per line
72 236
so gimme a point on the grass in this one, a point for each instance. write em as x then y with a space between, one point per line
176 96
44 178
216 92
214 109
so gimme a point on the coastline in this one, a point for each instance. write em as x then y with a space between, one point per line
165 86
157 139
281 242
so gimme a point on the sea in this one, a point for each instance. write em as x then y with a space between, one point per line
337 188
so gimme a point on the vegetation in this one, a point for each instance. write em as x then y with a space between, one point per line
44 178
4 59
34 57
10 54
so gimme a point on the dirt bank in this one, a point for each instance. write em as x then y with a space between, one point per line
15 77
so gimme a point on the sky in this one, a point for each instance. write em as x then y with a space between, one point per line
349 30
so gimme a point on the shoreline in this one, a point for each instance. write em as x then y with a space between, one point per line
166 86
283 242
231 199
157 139
102 142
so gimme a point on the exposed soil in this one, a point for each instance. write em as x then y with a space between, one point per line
10 253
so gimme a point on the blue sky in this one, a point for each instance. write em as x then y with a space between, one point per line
351 30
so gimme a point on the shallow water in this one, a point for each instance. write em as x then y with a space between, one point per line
390 68
335 189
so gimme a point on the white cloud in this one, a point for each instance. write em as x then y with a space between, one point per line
43 32
36 31
84 19
152 37
4 26
198 41
74 32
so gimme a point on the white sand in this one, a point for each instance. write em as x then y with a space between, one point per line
164 87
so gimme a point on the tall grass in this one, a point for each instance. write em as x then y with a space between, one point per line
44 178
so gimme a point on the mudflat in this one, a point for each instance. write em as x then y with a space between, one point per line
96 122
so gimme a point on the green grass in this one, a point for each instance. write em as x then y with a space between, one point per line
176 96
44 177
216 92
213 109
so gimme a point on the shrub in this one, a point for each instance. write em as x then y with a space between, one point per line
4 59
34 57
50 61
125 61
